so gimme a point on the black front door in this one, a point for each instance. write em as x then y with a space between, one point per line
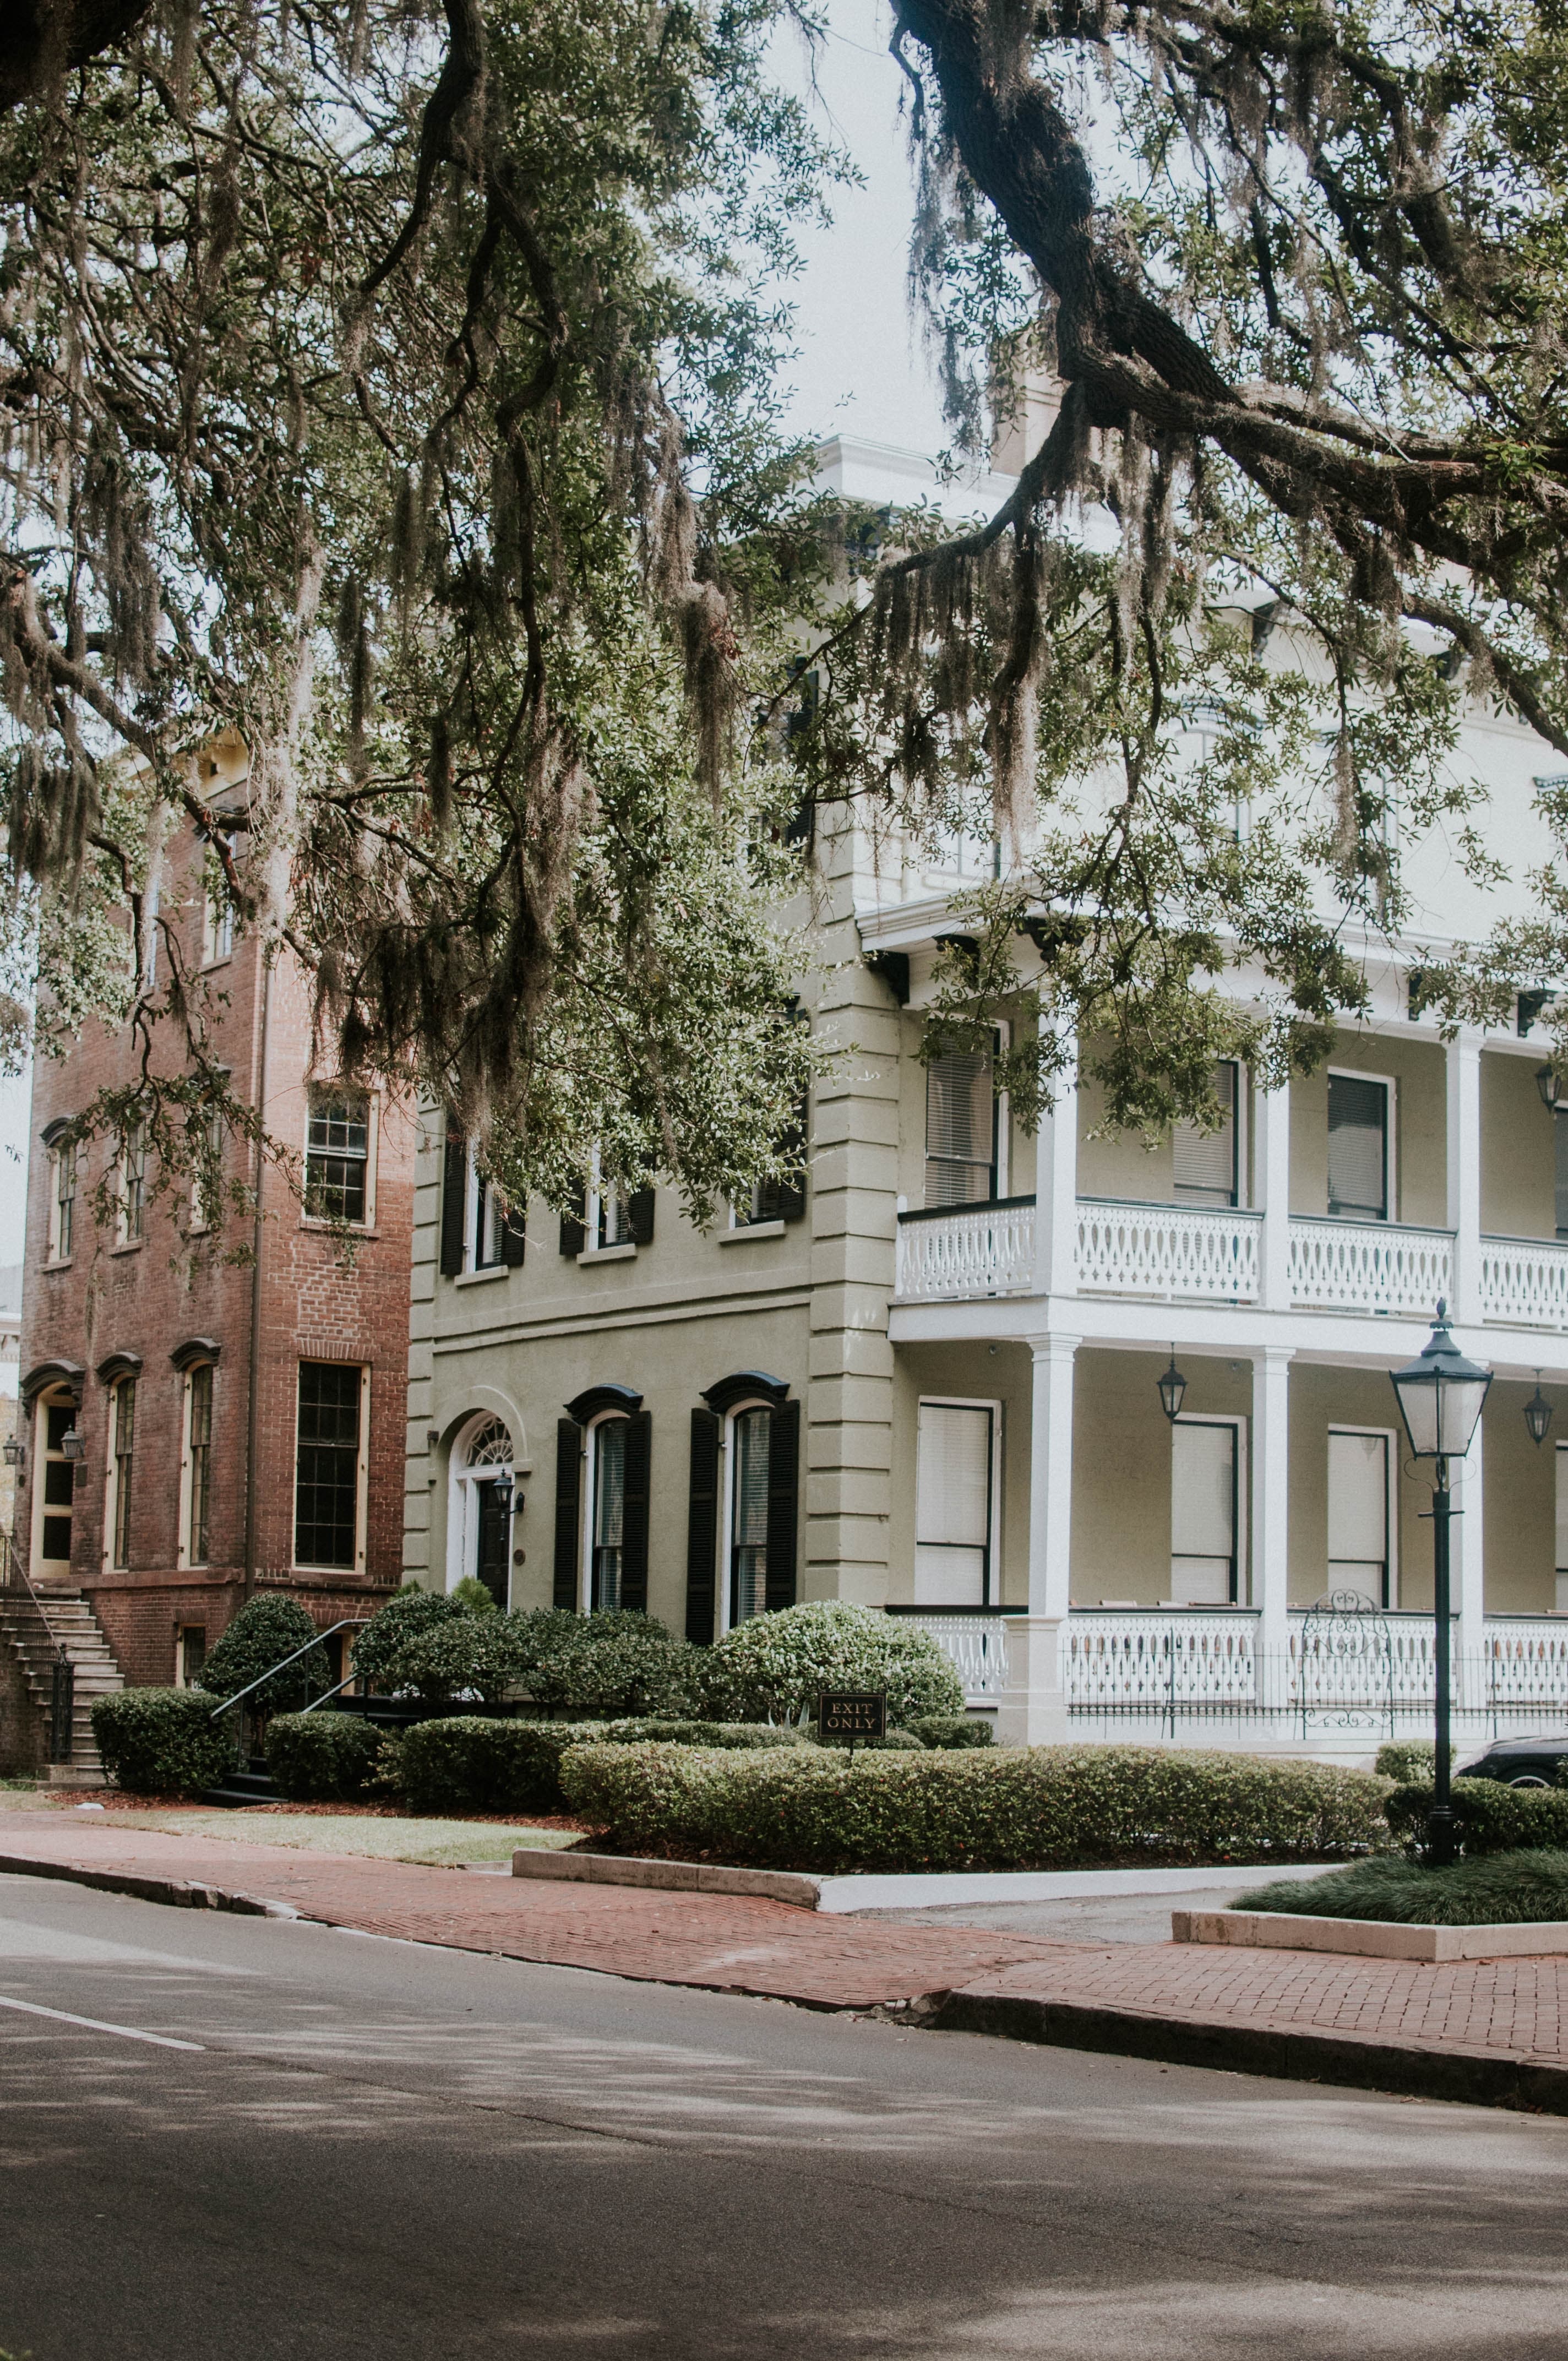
495 1535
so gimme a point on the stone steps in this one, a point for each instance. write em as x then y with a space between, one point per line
72 1625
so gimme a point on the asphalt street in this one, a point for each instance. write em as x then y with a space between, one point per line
336 2145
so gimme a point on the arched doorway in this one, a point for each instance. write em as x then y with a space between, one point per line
481 1525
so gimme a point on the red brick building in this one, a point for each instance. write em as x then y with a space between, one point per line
197 1428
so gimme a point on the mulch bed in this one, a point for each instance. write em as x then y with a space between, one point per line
113 1800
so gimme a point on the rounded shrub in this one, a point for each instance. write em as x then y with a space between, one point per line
162 1742
408 1611
464 1655
1409 1759
321 1757
617 1660
772 1667
266 1629
952 1729
472 1596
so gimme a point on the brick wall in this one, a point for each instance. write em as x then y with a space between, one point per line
316 1302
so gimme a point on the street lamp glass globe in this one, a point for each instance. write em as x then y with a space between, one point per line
1440 1396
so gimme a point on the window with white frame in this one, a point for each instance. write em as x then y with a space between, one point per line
131 1190
62 1200
196 1508
337 1153
750 1440
485 1225
962 1128
606 1526
1204 1558
955 1504
480 1534
1359 1523
190 1654
1206 1165
54 1482
1360 1147
1561 1600
217 926
122 1461
330 1464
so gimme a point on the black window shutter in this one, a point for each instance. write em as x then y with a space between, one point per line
568 1489
514 1238
634 1512
702 1526
783 1499
454 1200
573 1226
640 1216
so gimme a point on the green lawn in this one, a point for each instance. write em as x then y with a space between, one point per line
446 1843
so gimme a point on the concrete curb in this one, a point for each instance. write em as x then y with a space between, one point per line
665 1877
183 1892
1370 1938
1294 2054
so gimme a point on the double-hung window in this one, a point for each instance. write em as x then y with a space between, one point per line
1207 1164
198 1461
123 1436
218 926
954 1495
62 1201
133 1185
329 1464
960 1128
752 1441
608 1536
337 1153
1358 1148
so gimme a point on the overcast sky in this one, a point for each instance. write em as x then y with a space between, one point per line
861 370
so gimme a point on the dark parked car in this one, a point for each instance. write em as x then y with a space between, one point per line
1519 1761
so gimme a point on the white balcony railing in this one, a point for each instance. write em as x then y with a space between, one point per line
1172 1253
1524 1281
972 1250
1525 1664
1368 1267
1121 1660
975 1642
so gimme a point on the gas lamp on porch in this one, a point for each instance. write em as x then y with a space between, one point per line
1440 1395
1538 1414
1172 1389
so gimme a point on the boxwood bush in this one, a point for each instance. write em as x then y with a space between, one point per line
321 1757
406 1614
465 1655
772 1667
1409 1759
947 1730
470 1764
1014 1808
267 1629
616 1661
1488 1816
162 1742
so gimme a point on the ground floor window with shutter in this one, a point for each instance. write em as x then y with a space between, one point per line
608 1539
955 1483
742 1507
603 1456
329 1464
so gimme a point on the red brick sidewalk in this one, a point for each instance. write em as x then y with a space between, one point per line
1491 2030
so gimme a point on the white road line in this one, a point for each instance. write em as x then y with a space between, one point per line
96 2024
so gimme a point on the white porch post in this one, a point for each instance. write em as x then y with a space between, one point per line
1467 1567
1056 1183
1464 1080
1271 1503
1271 1165
1034 1709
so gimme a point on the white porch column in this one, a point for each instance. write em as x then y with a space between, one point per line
1033 1712
1271 1169
1055 1184
1464 1080
1271 1497
1468 1572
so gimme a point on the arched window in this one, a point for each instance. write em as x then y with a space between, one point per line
602 1462
481 1517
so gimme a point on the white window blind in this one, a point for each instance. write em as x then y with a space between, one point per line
1205 1161
1203 1513
1358 1148
960 1129
952 1506
1358 1515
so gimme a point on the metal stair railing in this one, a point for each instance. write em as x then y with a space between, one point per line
15 1581
349 1623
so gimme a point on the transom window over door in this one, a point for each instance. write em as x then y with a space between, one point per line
1358 1515
960 1129
1203 1567
953 1489
1206 1164
1358 1148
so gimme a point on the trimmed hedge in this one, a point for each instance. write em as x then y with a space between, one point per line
771 1666
1036 1807
322 1758
616 1661
267 1629
1488 1816
1409 1759
162 1742
406 1614
948 1729
468 1656
469 1764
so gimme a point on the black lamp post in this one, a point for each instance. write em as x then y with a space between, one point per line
1172 1387
1441 1397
